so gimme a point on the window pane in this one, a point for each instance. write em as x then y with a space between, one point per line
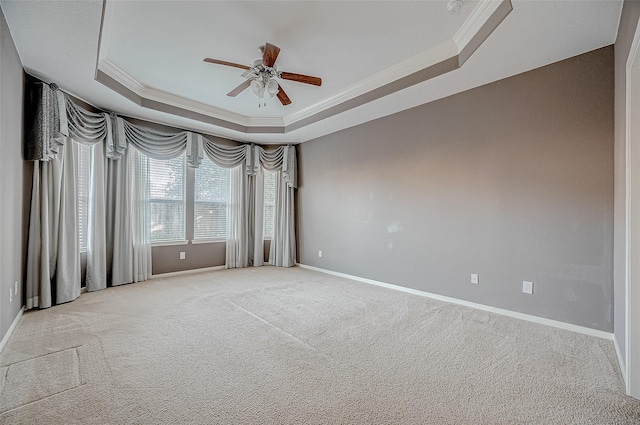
84 166
211 198
269 202
167 196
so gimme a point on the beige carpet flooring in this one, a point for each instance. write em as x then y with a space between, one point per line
292 346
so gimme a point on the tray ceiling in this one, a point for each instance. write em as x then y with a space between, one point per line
145 59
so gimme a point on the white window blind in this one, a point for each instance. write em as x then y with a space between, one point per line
210 201
269 202
84 170
167 196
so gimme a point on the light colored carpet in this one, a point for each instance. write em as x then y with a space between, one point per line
292 346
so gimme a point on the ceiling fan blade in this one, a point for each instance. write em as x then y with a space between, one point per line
282 96
219 62
239 89
270 54
307 79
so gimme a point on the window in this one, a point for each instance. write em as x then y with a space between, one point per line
167 196
84 168
210 201
269 202
172 218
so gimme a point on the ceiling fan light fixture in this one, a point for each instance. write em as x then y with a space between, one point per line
262 76
272 87
257 87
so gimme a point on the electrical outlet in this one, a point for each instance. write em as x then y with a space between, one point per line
474 278
183 255
10 295
527 287
320 254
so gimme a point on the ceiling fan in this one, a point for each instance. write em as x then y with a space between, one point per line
262 74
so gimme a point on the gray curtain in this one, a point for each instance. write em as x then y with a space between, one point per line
238 218
53 254
53 260
96 277
283 243
140 214
256 219
118 225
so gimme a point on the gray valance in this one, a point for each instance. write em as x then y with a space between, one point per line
282 158
83 125
225 156
42 122
59 116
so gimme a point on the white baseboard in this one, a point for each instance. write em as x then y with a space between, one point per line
514 314
11 328
183 272
623 369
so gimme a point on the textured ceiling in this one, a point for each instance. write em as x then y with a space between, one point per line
159 47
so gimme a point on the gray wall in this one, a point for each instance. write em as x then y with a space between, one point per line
166 259
626 30
16 179
512 180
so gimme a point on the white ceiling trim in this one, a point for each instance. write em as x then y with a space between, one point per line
478 18
112 70
485 17
433 56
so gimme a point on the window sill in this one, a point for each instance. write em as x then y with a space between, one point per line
154 244
201 241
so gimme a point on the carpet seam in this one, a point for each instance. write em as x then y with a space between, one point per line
41 399
42 355
79 365
279 329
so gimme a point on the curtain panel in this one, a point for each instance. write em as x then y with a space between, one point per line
53 260
119 248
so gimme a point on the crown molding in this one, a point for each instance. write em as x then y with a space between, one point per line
430 57
129 82
447 56
479 16
120 75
